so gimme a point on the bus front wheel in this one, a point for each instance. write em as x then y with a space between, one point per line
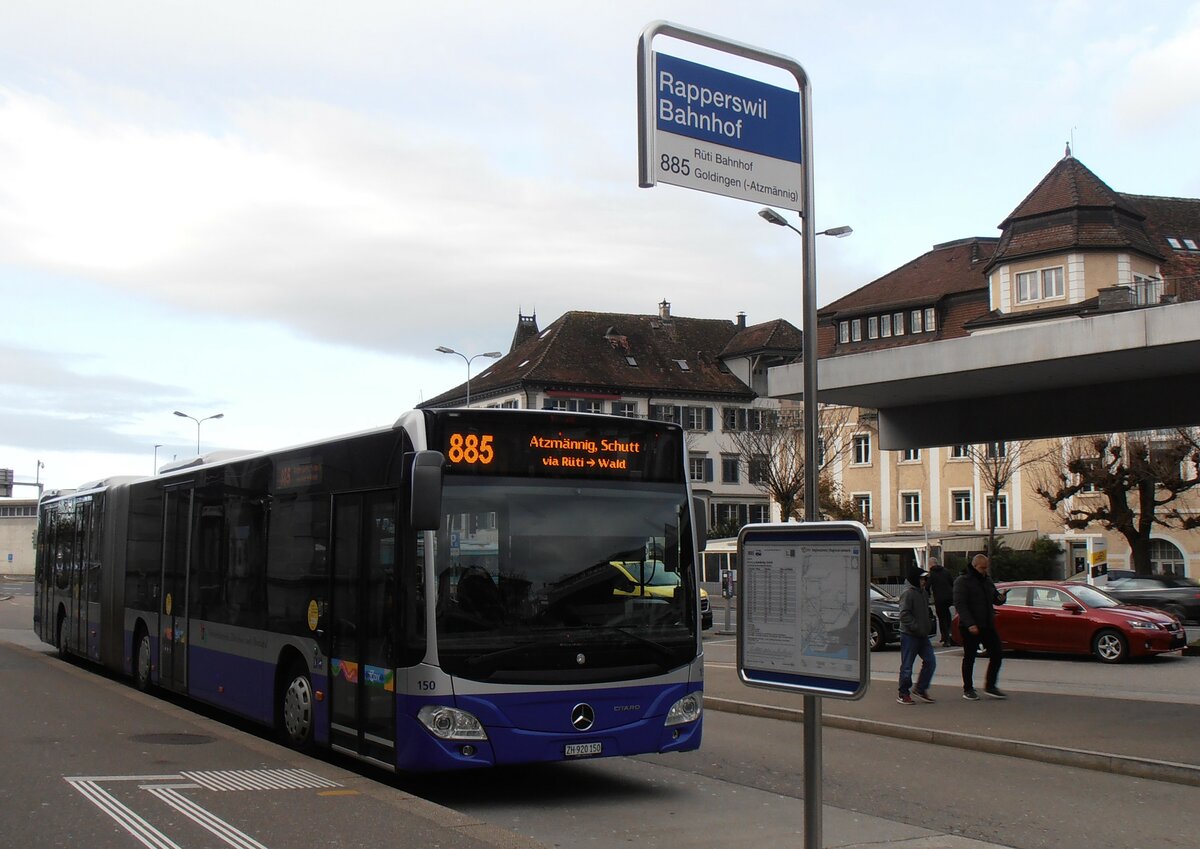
60 634
296 707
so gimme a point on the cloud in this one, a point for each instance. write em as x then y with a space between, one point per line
1152 96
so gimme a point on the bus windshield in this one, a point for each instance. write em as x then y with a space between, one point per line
563 582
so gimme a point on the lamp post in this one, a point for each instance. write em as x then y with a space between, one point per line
198 423
158 445
811 506
442 349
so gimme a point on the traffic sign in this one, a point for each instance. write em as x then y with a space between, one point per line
725 134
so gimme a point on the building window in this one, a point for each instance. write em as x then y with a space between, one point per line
698 418
873 327
997 450
1165 557
665 413
898 323
998 511
843 332
960 452
914 321
1040 285
758 513
1146 290
862 449
729 468
961 501
573 405
631 361
759 469
700 469
910 455
628 409
740 418
910 508
862 505
885 326
856 330
930 321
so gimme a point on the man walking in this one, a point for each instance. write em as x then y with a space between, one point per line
916 624
941 585
975 598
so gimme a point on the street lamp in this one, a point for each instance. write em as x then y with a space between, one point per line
198 422
809 357
773 217
158 445
442 349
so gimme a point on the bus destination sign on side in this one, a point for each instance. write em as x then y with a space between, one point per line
726 134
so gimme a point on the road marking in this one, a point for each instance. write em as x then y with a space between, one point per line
260 779
146 834
167 789
210 822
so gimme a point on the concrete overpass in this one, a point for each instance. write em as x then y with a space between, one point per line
1130 370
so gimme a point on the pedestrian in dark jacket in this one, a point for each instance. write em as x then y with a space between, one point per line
975 598
916 624
941 586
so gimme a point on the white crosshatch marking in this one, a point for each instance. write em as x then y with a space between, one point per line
167 789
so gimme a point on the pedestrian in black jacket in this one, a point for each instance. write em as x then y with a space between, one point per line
941 586
975 598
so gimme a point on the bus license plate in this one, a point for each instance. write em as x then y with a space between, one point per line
578 750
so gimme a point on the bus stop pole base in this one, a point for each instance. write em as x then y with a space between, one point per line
812 773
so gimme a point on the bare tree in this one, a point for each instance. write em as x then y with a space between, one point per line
1126 483
772 447
997 464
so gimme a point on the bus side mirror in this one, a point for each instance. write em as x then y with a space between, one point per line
425 508
701 519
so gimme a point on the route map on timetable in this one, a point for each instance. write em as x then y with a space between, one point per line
801 608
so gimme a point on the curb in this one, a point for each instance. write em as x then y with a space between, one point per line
1134 767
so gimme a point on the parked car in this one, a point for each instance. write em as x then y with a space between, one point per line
1072 618
885 619
1175 594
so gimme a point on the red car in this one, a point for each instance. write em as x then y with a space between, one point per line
1071 618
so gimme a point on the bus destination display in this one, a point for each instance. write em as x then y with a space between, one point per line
583 450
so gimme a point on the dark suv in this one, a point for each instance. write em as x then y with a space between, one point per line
885 619
1175 594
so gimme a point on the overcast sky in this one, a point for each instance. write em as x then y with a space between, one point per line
276 211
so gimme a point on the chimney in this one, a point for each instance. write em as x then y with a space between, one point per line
664 310
1114 298
741 321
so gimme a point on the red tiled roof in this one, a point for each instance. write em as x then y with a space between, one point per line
947 269
1072 208
588 351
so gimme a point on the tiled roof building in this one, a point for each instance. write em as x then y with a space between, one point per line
707 374
1071 248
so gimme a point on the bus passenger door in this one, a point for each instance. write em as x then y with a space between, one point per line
362 666
173 601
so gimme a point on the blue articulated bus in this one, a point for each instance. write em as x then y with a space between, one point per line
466 588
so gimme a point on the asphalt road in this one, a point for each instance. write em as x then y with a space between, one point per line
62 723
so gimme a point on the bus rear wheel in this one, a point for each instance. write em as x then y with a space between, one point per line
296 707
141 660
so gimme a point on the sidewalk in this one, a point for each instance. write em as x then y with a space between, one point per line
1152 740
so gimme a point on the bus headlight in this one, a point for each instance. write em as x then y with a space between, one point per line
686 709
450 723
